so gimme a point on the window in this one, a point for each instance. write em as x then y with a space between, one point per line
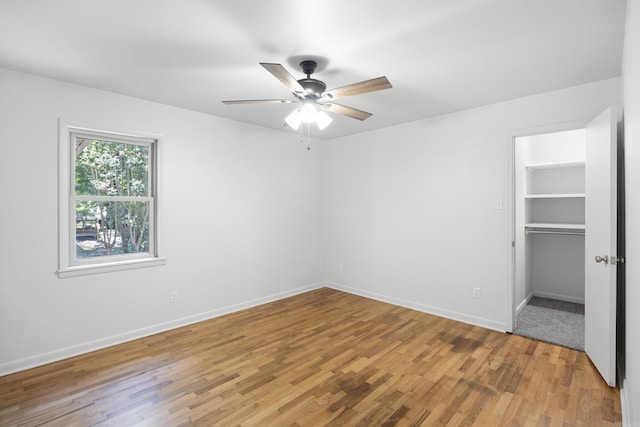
108 206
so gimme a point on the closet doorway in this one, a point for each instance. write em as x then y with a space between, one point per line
565 259
549 241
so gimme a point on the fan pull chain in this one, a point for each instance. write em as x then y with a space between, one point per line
301 134
308 136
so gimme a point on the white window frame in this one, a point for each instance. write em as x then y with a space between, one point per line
68 264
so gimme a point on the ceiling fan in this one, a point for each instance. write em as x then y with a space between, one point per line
315 97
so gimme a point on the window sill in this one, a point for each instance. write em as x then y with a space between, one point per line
84 270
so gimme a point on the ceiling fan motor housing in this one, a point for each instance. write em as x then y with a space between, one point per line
313 87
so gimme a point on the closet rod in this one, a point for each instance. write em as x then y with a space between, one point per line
564 233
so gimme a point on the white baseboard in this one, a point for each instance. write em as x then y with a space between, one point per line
624 402
64 353
89 346
523 304
460 317
558 297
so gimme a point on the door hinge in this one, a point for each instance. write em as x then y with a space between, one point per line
617 260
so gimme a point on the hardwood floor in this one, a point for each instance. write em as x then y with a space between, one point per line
321 358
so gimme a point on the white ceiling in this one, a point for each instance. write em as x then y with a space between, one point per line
441 56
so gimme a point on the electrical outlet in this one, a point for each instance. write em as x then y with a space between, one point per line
174 297
476 292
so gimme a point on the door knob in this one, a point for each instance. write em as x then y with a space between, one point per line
604 259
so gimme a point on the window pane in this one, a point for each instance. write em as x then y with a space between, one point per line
111 228
104 168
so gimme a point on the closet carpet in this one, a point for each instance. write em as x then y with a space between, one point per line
552 321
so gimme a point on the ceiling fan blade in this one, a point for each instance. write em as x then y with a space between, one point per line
259 101
346 111
358 88
284 76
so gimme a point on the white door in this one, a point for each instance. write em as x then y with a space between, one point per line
600 244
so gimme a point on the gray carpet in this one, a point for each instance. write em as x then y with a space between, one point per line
552 321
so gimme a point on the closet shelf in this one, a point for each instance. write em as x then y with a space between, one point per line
556 196
556 165
553 226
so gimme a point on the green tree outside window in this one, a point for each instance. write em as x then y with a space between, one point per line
110 179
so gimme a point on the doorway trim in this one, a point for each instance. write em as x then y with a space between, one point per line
510 321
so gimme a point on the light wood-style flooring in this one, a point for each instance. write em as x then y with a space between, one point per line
320 358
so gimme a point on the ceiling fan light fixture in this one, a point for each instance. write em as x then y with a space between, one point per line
308 112
323 120
293 119
313 96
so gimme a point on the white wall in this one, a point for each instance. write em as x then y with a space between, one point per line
410 210
631 84
240 212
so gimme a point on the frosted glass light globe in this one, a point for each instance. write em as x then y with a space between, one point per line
323 120
293 120
308 113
